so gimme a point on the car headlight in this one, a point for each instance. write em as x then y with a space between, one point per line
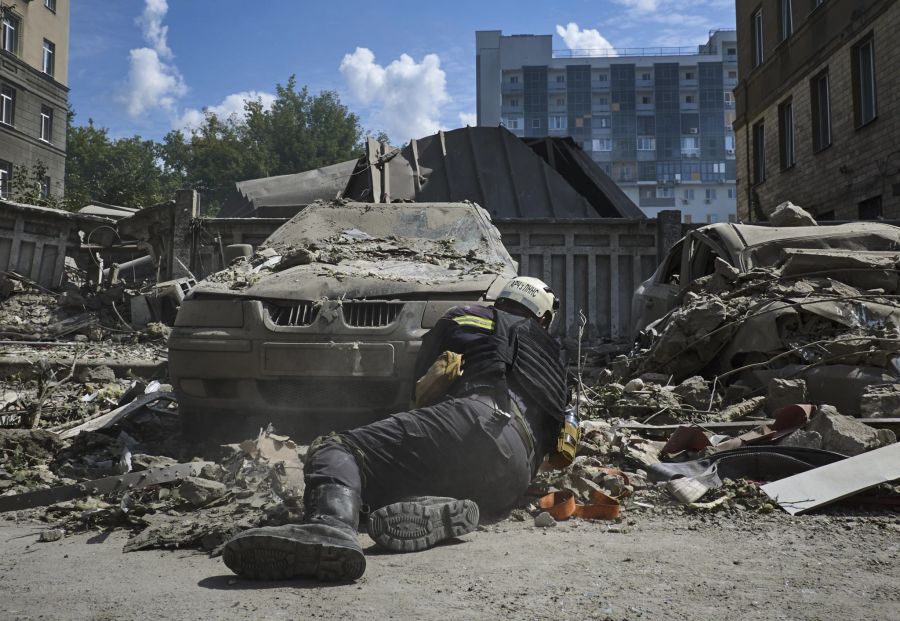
223 313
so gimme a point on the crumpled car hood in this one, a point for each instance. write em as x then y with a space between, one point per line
358 279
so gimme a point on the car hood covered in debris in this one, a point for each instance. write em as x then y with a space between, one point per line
355 250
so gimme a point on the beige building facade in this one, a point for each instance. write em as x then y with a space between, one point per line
34 44
818 108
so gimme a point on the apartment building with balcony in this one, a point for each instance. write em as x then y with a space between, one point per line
818 108
658 121
34 43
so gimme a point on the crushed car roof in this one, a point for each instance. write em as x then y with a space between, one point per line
366 250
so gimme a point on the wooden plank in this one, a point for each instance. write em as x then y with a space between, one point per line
18 228
60 267
36 259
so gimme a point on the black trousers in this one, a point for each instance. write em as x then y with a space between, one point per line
462 447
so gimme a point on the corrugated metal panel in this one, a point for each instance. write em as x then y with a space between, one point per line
593 268
593 265
494 168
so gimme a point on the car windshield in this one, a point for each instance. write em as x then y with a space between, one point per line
770 253
431 228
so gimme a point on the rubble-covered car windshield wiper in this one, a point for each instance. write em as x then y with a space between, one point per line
320 328
801 249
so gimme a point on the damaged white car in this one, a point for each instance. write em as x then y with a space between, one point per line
319 330
802 250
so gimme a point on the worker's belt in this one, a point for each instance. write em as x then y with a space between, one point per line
513 418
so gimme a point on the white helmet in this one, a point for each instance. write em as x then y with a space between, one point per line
533 294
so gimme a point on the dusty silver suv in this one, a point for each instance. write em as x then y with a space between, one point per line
319 330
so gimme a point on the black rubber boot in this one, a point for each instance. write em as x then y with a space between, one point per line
421 523
325 547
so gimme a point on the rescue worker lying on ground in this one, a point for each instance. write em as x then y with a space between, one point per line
482 443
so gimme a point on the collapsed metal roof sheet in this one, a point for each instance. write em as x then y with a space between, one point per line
115 212
508 176
285 195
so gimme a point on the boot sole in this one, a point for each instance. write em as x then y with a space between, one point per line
413 527
267 557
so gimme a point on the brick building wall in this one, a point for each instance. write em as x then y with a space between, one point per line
861 168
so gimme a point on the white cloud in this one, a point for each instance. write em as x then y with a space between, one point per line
468 118
406 96
587 39
152 82
151 24
232 105
644 6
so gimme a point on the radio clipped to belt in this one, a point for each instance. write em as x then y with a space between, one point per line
567 442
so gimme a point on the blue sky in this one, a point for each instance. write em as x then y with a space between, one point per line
146 66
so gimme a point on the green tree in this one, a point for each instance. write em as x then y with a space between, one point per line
298 132
120 172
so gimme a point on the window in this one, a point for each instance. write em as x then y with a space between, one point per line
602 77
50 4
785 19
645 76
757 41
688 218
603 101
602 144
49 57
664 192
732 193
557 122
7 105
870 209
45 187
786 134
864 109
513 79
729 97
710 194
759 152
731 51
513 103
690 146
688 194
46 123
560 79
603 122
646 143
512 123
645 99
688 99
9 33
821 111
689 75
560 101
5 178
535 123
732 75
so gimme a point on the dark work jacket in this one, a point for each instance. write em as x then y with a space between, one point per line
465 329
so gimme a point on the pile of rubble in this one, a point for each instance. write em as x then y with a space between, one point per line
755 378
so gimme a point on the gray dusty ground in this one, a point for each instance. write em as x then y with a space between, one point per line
663 566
